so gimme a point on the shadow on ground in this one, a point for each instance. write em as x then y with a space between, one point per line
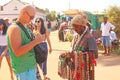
111 60
60 50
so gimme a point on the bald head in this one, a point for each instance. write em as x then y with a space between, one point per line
27 8
27 13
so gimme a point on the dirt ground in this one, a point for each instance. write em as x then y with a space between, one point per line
108 67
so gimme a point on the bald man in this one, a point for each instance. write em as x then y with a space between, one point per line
21 48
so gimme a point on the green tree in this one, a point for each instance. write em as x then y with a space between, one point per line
53 15
113 14
50 14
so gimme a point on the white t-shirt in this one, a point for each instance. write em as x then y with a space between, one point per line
3 41
105 28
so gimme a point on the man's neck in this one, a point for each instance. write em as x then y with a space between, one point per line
105 22
21 21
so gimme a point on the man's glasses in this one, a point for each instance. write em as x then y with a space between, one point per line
31 17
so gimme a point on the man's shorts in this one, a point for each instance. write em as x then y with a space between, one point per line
2 48
28 75
106 40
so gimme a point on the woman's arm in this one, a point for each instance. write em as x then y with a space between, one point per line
48 40
3 54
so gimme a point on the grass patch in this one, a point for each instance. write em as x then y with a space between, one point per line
116 51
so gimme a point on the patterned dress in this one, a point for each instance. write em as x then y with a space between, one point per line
85 52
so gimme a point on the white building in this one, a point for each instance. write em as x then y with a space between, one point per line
12 8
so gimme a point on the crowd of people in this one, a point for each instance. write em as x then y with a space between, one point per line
19 49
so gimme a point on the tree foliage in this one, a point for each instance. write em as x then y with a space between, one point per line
113 14
50 14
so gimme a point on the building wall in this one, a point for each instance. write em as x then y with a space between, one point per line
11 10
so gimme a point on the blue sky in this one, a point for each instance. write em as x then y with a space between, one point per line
61 5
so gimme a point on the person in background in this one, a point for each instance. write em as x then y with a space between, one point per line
89 26
14 20
113 39
63 26
92 31
69 22
113 36
3 46
49 25
21 48
7 21
105 33
39 26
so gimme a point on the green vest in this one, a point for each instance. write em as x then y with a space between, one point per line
25 62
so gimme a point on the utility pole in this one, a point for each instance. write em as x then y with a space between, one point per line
69 4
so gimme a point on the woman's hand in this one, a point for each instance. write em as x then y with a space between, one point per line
50 50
